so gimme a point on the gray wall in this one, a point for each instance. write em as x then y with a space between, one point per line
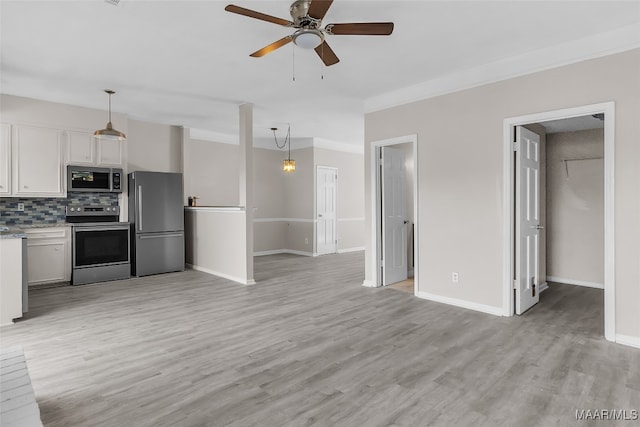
153 147
461 174
211 172
284 203
575 207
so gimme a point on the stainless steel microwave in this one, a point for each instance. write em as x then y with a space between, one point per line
87 178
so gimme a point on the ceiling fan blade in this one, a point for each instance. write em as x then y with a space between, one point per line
273 46
258 15
361 28
319 8
327 55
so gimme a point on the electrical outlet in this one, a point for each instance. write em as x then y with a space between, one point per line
306 240
20 207
455 278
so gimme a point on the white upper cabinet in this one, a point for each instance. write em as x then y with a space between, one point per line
37 161
84 149
5 159
110 152
81 148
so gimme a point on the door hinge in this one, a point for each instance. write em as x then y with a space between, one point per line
516 145
515 284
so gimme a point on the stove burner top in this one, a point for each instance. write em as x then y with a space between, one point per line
92 213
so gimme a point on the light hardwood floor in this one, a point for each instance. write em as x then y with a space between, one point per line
308 345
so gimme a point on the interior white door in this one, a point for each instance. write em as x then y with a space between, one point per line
527 241
394 216
326 221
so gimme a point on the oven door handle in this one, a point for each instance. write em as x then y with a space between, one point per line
101 228
140 207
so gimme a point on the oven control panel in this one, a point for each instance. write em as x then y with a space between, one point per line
93 210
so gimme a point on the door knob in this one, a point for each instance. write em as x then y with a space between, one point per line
537 227
319 215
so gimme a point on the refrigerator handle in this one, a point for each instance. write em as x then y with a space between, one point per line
140 207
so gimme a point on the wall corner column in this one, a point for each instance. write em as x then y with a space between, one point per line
246 182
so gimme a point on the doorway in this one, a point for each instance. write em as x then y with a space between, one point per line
326 215
394 226
521 273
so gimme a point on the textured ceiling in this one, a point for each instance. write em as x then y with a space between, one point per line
187 62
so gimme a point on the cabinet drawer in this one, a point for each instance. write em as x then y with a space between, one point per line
46 233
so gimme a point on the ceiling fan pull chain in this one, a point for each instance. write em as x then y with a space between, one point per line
322 62
293 62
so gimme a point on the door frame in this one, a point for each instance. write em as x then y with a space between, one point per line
315 204
508 208
376 205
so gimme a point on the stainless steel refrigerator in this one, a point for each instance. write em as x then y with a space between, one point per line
156 211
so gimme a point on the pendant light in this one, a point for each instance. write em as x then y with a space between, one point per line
288 164
109 132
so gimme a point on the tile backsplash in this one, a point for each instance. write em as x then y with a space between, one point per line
48 210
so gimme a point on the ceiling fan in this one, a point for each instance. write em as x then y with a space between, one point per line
307 17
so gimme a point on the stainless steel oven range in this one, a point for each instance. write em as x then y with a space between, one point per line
100 244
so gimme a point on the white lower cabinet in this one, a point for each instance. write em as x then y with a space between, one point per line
48 255
10 281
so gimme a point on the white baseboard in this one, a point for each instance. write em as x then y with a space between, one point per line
223 275
565 281
496 311
628 340
283 251
544 286
369 284
346 250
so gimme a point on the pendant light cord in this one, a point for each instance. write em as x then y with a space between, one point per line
287 138
109 107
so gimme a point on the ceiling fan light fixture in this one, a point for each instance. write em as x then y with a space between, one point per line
109 132
308 38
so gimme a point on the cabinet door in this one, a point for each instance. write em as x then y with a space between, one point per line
5 159
81 148
37 163
46 262
109 152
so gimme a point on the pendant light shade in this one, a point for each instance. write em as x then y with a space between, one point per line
109 132
288 164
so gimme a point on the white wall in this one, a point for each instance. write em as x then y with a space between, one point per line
460 136
575 207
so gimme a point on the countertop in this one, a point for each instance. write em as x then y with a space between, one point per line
17 231
12 233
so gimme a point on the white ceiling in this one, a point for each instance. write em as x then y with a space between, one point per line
573 124
187 62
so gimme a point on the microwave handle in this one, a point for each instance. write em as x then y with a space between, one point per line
140 207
